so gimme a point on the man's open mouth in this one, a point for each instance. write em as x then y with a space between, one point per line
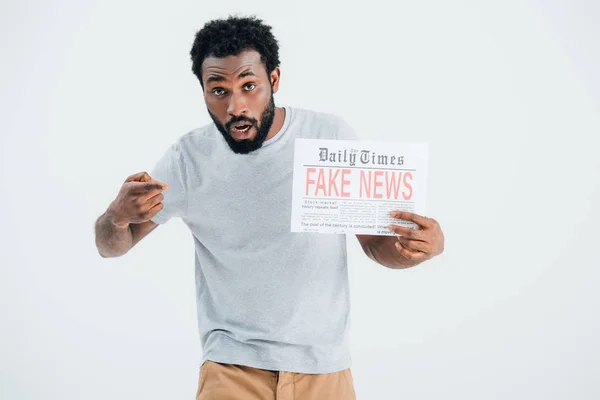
241 128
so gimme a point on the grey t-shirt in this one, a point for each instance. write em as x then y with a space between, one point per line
266 297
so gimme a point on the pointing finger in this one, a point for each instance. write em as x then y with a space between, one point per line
164 185
145 187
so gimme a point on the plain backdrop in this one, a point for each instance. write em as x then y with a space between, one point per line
506 94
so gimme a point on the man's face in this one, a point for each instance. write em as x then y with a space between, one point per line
239 98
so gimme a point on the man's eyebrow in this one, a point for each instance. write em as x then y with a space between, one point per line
215 78
245 74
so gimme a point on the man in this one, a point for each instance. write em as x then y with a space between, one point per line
273 306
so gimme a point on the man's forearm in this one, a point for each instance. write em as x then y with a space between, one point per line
382 250
111 240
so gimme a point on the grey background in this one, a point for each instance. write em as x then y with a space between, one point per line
507 95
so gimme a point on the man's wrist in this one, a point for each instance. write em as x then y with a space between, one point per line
114 219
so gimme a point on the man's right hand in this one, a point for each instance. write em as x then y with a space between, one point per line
138 200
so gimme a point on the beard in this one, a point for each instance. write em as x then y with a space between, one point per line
246 146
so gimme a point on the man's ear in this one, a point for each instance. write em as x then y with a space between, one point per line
275 76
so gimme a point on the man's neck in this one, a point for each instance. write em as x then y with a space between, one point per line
278 120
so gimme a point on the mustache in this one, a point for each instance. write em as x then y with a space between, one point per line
235 120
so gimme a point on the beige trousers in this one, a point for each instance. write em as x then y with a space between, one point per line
219 381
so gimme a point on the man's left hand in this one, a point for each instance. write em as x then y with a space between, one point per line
417 245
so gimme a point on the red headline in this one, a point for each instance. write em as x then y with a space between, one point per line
373 184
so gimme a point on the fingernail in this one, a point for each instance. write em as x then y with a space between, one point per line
391 228
393 213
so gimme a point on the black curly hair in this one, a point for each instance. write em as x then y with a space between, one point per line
230 37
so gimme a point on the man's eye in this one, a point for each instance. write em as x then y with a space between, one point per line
250 86
218 92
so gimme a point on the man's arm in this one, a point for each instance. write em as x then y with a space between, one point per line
114 241
411 247
128 218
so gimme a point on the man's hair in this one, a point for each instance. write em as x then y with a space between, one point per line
229 37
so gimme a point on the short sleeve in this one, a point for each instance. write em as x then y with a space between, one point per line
345 131
170 169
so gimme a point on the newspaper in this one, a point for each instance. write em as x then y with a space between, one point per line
351 186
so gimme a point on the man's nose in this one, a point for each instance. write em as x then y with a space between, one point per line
237 106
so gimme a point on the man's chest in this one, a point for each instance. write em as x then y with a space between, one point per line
251 204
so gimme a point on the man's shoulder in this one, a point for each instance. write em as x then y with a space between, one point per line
324 125
315 115
200 136
194 142
203 133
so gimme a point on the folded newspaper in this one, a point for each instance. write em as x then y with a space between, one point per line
351 186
